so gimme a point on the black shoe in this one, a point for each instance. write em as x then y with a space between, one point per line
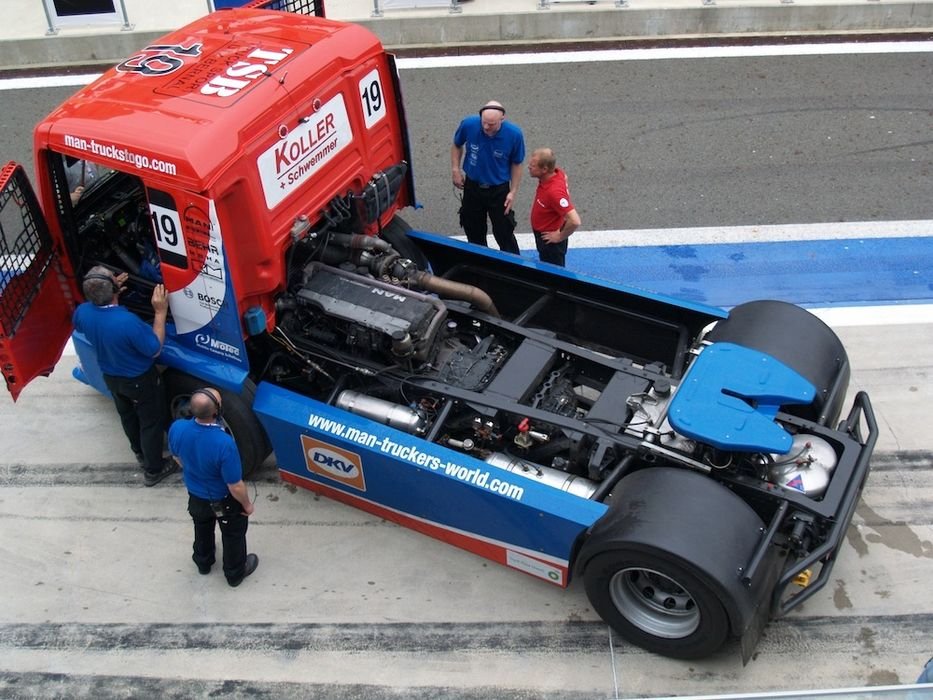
203 569
252 561
168 467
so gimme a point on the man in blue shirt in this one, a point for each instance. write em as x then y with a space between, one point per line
216 490
490 151
126 349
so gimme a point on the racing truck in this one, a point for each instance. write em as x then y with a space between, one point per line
696 468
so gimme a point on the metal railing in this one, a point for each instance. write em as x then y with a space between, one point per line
55 23
546 4
379 6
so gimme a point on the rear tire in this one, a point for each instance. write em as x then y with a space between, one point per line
798 339
238 419
662 566
651 599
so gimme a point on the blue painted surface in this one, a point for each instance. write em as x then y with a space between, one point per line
809 273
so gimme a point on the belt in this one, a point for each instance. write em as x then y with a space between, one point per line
484 186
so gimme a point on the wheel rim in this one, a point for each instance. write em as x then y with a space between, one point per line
654 603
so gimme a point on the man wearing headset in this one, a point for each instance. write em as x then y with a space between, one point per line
490 151
126 350
216 490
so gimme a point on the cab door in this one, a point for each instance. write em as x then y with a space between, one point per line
36 301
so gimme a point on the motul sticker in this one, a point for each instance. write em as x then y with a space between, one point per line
333 462
294 159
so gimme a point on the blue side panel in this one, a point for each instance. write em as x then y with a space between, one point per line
214 371
730 396
435 490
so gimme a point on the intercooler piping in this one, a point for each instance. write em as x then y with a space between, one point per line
455 290
360 242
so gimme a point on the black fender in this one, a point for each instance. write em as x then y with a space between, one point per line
701 523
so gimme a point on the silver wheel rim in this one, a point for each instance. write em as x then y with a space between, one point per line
654 603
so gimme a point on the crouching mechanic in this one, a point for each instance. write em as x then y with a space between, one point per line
216 490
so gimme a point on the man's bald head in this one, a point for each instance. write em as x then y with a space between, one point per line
491 115
205 403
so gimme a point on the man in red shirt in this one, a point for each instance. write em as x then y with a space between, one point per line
553 216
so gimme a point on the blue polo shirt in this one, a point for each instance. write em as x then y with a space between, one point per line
125 345
489 160
208 456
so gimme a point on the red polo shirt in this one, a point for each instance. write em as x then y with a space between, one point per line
552 202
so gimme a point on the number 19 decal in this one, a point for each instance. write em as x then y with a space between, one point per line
372 98
166 225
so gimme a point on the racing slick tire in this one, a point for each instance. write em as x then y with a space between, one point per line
662 567
396 234
237 417
801 341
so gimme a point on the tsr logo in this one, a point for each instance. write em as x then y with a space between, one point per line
333 462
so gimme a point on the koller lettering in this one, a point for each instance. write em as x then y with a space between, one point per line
292 151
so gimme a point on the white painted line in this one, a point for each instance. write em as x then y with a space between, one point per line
48 81
891 315
688 52
602 56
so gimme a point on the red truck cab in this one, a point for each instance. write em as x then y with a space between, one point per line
198 160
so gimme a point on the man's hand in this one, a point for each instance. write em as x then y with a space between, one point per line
248 508
509 198
553 236
121 280
76 194
458 178
159 299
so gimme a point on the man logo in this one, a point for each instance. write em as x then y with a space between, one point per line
333 463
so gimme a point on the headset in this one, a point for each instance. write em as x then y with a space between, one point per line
208 394
113 282
498 108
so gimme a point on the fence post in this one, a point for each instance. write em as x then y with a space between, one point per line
377 12
127 27
455 7
52 30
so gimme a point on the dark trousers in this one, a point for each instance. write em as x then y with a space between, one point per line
140 402
480 202
554 253
232 534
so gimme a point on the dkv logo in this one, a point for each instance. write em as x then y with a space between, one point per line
333 462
